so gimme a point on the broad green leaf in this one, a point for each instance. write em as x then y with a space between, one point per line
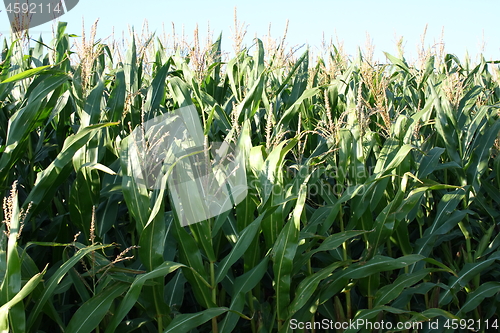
445 208
56 278
185 322
307 287
291 111
398 158
367 314
135 193
364 269
134 291
297 65
26 74
203 236
383 226
24 121
401 63
283 254
152 241
475 298
429 162
48 180
174 290
90 314
116 101
331 243
242 285
190 255
156 91
389 292
244 240
479 161
464 276
435 312
440 264
92 110
26 290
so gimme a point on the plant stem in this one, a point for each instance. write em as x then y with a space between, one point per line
215 328
348 304
159 315
344 254
252 311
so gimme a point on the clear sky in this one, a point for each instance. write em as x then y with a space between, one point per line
467 24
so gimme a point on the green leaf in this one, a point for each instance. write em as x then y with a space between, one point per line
49 179
434 312
292 110
481 155
203 235
22 294
54 280
308 286
445 208
398 62
364 269
303 58
429 162
464 276
26 74
440 264
24 121
174 290
381 264
384 226
135 193
331 243
190 255
389 292
156 91
90 314
134 291
152 240
283 254
116 101
92 111
398 158
186 322
244 240
242 285
367 314
475 298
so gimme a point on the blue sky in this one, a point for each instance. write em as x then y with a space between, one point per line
466 24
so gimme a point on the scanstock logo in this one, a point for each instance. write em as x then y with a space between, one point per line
203 182
25 14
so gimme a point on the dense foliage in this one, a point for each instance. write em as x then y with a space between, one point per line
374 191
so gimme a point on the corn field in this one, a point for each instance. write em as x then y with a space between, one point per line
373 192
